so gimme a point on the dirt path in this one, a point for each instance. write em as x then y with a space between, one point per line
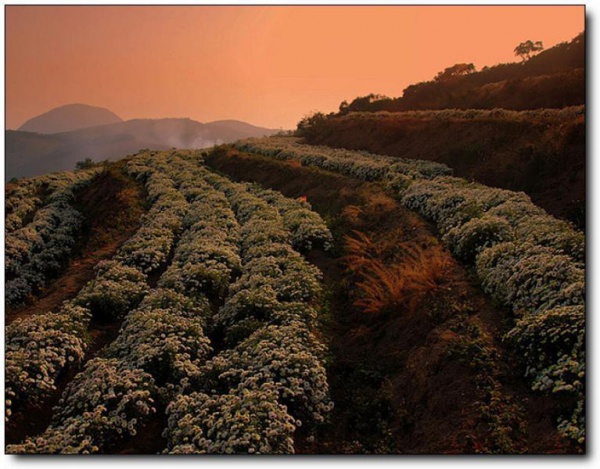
430 378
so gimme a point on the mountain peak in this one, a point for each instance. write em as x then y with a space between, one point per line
70 117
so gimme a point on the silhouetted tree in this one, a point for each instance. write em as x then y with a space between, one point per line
85 164
527 49
309 122
455 71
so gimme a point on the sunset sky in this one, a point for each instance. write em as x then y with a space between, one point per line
269 66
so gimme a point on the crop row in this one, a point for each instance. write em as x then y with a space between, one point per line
38 250
266 313
27 195
527 260
251 397
161 350
266 318
543 116
43 347
358 164
159 346
307 229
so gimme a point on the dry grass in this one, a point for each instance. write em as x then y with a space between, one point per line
352 213
401 285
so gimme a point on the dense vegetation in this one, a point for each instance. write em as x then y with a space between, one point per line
540 152
41 229
525 259
463 118
226 269
554 78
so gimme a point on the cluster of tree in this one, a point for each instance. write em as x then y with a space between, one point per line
544 78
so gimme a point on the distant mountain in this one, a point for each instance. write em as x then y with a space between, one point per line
30 154
70 117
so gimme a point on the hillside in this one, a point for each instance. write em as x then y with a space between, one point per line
69 117
299 298
30 154
554 78
542 153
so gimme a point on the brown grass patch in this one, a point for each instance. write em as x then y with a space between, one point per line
399 286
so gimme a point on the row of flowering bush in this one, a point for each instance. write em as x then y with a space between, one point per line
27 195
43 347
149 248
103 404
545 116
38 350
524 258
118 287
472 217
158 346
251 397
207 257
552 346
359 164
39 249
161 348
307 228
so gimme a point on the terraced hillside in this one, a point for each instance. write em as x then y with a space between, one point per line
216 351
540 152
318 311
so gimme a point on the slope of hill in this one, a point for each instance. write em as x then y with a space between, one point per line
29 154
539 152
552 79
70 117
339 325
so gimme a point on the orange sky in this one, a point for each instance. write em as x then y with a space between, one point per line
265 65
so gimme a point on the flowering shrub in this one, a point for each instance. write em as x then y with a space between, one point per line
38 350
250 421
275 286
163 343
469 239
116 289
530 278
545 281
40 249
103 404
573 427
359 164
515 211
167 299
291 277
260 232
27 195
215 231
151 245
307 228
286 356
207 255
543 339
544 230
148 248
20 202
524 258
